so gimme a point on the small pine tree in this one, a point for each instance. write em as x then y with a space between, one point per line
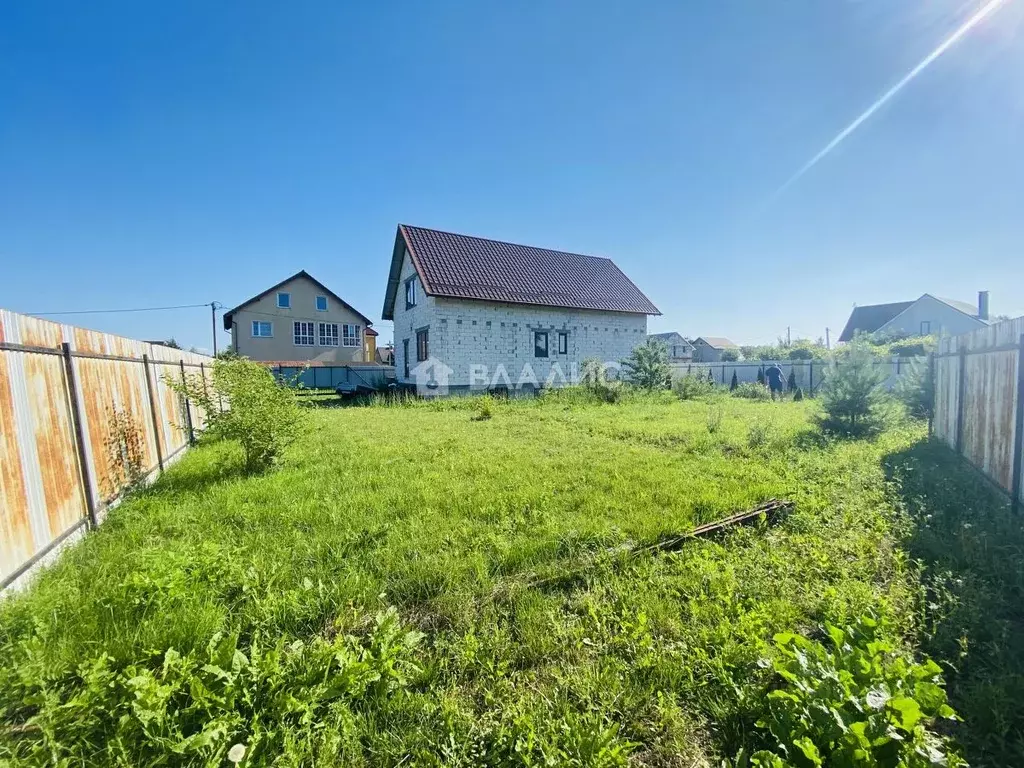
854 400
798 394
791 382
647 367
711 377
760 376
734 383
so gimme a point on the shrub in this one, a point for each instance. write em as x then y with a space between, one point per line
752 391
758 433
647 367
730 355
798 394
791 381
259 413
859 703
595 382
734 383
692 387
915 389
853 397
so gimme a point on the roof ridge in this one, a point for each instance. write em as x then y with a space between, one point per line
509 242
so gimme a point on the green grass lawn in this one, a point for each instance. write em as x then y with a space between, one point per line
371 601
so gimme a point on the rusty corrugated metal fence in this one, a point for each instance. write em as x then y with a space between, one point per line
979 401
60 386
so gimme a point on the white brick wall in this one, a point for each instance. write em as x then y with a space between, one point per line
464 333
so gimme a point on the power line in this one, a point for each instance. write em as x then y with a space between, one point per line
111 311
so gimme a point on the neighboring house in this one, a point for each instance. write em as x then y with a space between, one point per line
386 354
484 312
927 315
709 349
680 349
300 319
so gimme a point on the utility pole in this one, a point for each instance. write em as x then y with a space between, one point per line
789 340
828 344
213 315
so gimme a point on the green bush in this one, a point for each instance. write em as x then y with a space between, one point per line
852 396
692 387
484 408
260 413
648 367
860 702
915 389
751 391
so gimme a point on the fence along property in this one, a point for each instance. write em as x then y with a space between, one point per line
61 390
809 374
979 401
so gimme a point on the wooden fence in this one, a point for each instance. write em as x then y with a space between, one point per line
979 401
68 397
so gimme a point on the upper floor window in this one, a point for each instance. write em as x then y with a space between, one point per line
350 335
284 300
303 334
410 292
328 334
262 328
321 303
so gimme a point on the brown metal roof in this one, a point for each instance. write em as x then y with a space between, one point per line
466 267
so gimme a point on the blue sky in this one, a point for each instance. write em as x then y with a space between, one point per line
177 153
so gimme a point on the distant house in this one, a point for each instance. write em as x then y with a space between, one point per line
386 354
300 319
927 315
486 312
680 349
709 349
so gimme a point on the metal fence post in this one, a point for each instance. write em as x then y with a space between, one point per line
152 414
1018 441
76 423
931 388
188 407
960 396
810 380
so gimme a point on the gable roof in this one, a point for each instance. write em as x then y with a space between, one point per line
871 317
964 306
717 342
300 273
672 336
464 267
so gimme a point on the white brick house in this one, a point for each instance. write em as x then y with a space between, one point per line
482 307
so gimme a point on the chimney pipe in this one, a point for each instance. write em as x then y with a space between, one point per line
983 305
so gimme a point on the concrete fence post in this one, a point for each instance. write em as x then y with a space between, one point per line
1018 438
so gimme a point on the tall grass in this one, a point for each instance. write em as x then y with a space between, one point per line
423 513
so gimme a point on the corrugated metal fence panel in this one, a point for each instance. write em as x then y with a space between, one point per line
746 370
41 493
990 397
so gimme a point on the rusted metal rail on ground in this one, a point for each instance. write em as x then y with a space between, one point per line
770 510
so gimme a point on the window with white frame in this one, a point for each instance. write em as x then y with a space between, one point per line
284 300
350 335
328 334
262 328
303 334
410 292
321 303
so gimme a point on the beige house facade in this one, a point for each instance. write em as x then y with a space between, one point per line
300 319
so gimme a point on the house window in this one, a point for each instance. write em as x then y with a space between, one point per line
563 343
422 345
261 328
410 292
350 335
284 300
328 334
540 343
926 327
303 333
405 356
321 303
